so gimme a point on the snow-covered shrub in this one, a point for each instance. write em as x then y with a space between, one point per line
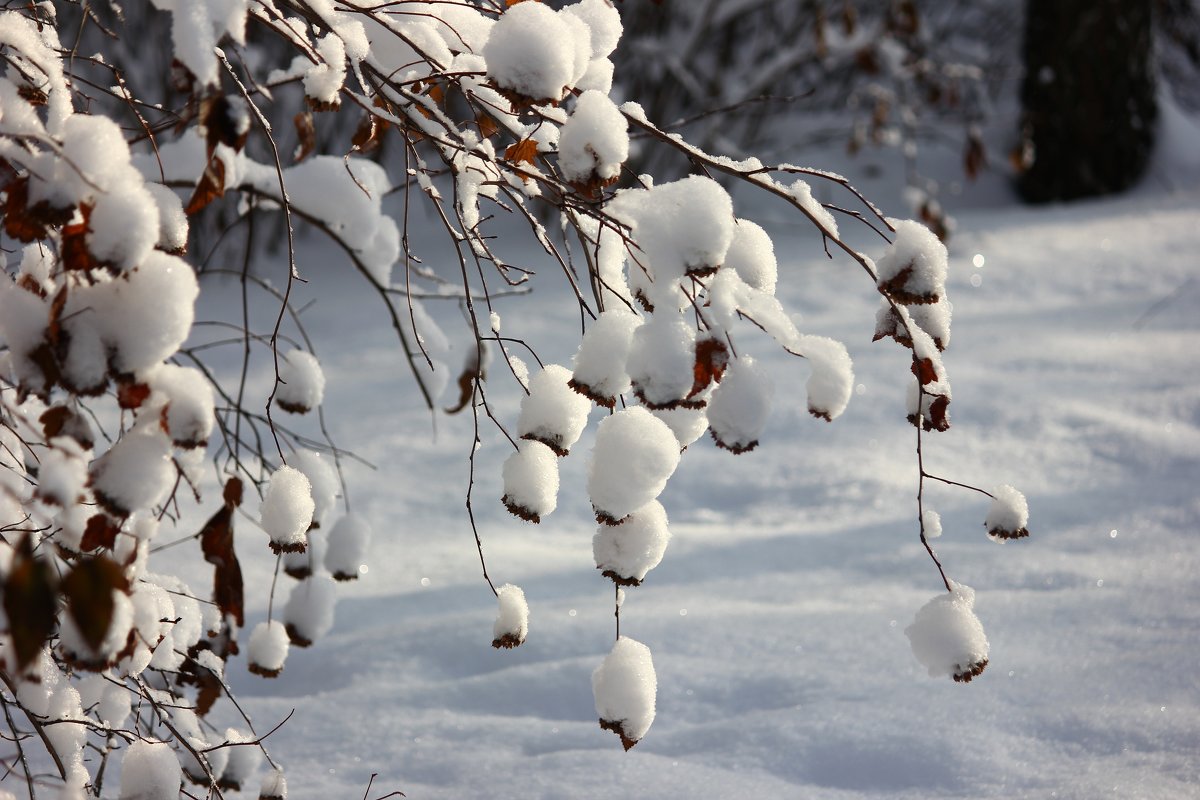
119 209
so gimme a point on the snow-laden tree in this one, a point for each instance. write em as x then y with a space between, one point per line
109 412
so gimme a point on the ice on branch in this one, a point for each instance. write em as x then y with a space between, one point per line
600 364
150 771
531 481
626 552
594 142
661 361
752 255
512 618
913 270
136 473
267 650
634 456
347 547
1008 515
301 386
287 509
832 380
552 413
947 638
533 51
740 406
625 688
308 614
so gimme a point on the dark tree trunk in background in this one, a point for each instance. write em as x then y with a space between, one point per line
1088 97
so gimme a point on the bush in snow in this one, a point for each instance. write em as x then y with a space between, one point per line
112 404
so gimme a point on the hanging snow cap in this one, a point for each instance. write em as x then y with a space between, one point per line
512 618
1008 515
626 552
531 481
136 473
832 379
552 413
149 770
600 374
662 360
625 688
287 510
274 786
347 547
593 143
752 255
244 755
740 406
531 52
685 228
188 415
308 614
301 386
634 456
913 270
267 650
604 24
323 479
931 523
947 638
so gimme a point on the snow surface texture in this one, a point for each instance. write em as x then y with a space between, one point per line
798 565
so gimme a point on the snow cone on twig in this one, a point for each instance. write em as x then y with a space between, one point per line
626 552
947 638
512 618
625 688
552 413
268 649
531 481
1008 515
301 385
634 456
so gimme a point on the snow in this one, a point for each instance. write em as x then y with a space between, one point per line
625 688
740 405
553 413
626 552
661 361
322 479
532 51
603 22
1008 515
512 617
145 314
308 614
301 386
932 523
832 378
913 269
149 771
531 481
752 255
594 141
244 758
188 415
274 786
287 509
600 372
634 456
947 638
266 653
136 472
347 548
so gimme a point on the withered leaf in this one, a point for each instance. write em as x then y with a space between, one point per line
131 395
101 531
65 421
209 188
712 357
306 134
522 151
924 370
367 135
975 156
30 602
89 588
192 673
221 124
216 541
487 126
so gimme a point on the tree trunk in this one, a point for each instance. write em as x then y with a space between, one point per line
1088 97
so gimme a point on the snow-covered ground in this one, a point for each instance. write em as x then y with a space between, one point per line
776 618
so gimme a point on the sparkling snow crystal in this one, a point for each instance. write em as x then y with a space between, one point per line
287 509
947 638
634 456
1008 515
512 619
625 688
